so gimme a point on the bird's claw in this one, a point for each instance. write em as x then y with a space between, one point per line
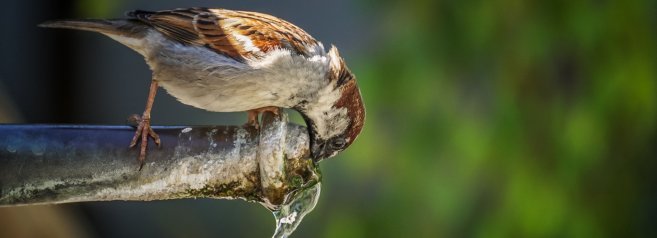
144 131
253 123
252 117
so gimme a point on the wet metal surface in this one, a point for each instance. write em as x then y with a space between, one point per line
70 163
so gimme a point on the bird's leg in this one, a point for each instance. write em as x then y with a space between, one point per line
252 118
144 129
252 115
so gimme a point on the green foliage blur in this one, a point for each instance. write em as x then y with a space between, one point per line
499 119
502 119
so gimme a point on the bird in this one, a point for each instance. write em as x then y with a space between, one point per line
224 60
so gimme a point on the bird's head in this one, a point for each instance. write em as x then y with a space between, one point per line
336 115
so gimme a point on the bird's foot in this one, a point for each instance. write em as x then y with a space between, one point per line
252 117
144 131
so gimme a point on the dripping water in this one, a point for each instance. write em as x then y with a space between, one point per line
289 215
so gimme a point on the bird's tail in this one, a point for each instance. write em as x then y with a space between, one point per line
120 27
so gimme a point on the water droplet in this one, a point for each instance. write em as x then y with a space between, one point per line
11 148
290 215
38 149
13 143
289 219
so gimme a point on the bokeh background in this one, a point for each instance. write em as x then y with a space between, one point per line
484 118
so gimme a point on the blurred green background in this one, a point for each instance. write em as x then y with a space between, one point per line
484 119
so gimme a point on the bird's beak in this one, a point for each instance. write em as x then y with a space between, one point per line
318 151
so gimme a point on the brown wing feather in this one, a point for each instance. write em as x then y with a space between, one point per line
174 24
269 32
213 35
219 29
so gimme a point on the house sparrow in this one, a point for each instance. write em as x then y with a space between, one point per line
223 61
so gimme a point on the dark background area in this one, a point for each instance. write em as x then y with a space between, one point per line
484 118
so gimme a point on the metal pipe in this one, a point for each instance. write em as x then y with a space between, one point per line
46 164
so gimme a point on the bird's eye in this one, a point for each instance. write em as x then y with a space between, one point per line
338 143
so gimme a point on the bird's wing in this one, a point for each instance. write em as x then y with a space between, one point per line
237 34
